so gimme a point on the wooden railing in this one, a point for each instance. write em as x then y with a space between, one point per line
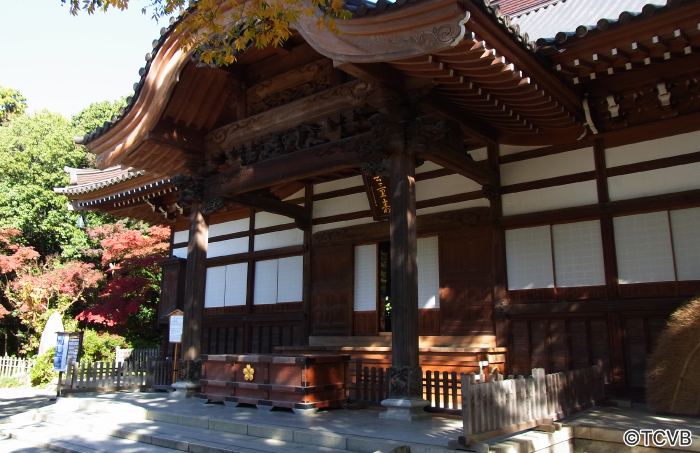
106 377
500 407
135 355
12 366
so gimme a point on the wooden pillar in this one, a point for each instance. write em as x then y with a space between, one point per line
195 284
498 241
306 289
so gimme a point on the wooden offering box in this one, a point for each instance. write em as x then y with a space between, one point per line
303 383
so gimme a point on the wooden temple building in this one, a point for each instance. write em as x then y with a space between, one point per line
446 182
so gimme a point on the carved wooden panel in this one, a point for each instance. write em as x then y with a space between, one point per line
429 321
366 323
331 283
466 282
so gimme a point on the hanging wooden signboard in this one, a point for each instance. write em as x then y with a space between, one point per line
377 188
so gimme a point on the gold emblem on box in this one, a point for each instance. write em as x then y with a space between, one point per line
248 372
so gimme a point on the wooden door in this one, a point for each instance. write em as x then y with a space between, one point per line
331 290
466 282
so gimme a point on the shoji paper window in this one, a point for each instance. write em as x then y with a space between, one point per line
578 254
643 247
278 281
265 282
290 279
529 258
428 273
366 277
215 287
226 285
236 284
685 226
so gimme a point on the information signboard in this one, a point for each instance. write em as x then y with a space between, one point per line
68 345
176 324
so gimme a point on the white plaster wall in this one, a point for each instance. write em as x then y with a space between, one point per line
480 154
443 186
529 258
504 150
365 295
228 247
653 149
180 252
578 254
299 194
428 265
561 164
655 182
181 236
568 195
324 187
480 202
428 166
266 219
343 224
643 248
278 239
234 226
341 205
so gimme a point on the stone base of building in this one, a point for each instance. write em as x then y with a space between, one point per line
405 409
185 389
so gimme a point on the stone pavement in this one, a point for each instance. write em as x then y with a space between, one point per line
21 399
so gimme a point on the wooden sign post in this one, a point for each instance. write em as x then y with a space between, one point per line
69 346
176 324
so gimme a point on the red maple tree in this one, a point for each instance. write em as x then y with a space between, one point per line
131 257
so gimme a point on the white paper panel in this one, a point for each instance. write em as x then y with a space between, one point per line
181 236
215 287
236 284
234 226
265 282
428 273
685 225
427 166
578 254
180 252
228 247
577 194
267 219
279 239
561 164
529 258
652 149
479 202
341 224
341 205
643 246
290 279
512 149
655 182
366 277
444 186
338 184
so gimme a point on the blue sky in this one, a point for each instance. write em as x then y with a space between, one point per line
63 63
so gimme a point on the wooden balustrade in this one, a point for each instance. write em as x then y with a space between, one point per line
105 376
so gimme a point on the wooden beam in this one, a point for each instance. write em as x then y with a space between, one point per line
317 160
263 203
470 124
462 164
178 140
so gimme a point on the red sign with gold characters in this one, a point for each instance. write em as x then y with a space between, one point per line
377 188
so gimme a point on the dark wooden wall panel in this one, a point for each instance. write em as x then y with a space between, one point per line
560 348
332 299
519 349
279 307
466 282
366 323
429 321
580 347
647 290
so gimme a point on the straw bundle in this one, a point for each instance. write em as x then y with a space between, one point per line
673 369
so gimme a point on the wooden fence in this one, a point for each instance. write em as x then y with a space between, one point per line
107 377
135 355
500 407
13 366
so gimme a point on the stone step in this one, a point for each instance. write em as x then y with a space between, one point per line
174 432
10 445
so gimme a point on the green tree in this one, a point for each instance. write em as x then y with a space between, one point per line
11 103
94 116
